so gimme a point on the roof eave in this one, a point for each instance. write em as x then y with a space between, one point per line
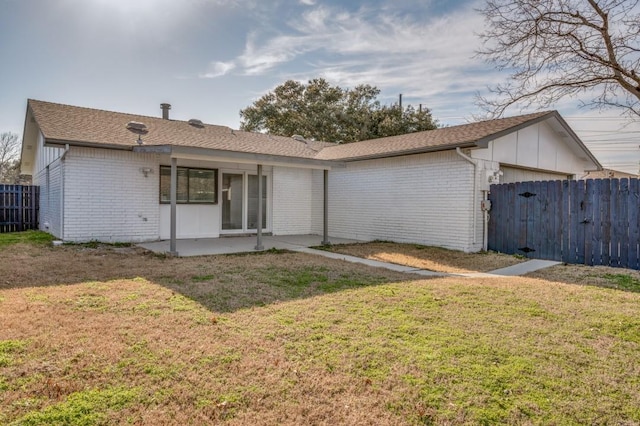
415 151
238 156
63 142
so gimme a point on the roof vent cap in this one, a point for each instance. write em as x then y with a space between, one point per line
196 123
299 138
137 127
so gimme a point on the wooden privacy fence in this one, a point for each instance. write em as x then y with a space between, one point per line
592 222
18 207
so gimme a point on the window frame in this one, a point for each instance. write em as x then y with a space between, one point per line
188 175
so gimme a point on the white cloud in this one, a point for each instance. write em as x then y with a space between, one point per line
217 69
382 49
307 2
427 57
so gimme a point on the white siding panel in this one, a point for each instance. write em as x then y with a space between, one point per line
44 156
425 199
548 158
513 175
107 198
534 147
527 155
292 201
192 221
50 219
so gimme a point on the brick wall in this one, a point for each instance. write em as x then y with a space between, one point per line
292 200
425 199
107 198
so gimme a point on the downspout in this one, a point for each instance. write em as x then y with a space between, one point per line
475 190
62 200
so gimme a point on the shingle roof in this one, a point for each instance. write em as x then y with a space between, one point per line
86 126
429 140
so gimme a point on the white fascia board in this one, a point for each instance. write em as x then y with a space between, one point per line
192 153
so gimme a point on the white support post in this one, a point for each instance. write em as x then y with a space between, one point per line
325 216
259 245
174 198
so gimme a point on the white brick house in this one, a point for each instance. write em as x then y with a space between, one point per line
104 178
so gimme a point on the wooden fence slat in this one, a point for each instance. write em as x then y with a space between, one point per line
578 219
557 214
597 222
605 214
588 221
514 220
540 236
623 222
566 226
614 257
633 205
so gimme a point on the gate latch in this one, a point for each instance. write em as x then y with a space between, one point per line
527 194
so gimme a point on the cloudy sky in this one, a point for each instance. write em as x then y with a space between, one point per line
211 58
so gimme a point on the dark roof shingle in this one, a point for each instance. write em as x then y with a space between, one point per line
87 126
429 140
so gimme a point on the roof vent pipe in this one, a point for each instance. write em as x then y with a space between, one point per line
165 110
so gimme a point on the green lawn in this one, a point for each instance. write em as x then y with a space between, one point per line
288 338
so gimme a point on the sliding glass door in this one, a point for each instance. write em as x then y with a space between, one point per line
240 202
232 196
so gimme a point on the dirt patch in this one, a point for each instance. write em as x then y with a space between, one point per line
429 258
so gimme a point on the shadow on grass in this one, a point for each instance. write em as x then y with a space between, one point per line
224 283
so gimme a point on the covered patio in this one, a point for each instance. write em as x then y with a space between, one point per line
239 244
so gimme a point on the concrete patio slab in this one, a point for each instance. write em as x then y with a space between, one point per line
240 244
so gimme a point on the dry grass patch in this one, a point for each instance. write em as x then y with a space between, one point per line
294 339
430 258
601 276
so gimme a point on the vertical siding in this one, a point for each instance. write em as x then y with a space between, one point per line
50 183
107 198
425 199
44 156
537 146
53 199
514 174
292 201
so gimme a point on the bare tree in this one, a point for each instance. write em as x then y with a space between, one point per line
9 153
559 48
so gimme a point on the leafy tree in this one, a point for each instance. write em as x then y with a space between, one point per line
319 111
560 48
9 162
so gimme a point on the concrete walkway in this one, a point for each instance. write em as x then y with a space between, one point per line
515 270
303 244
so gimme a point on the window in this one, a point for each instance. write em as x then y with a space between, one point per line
195 186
